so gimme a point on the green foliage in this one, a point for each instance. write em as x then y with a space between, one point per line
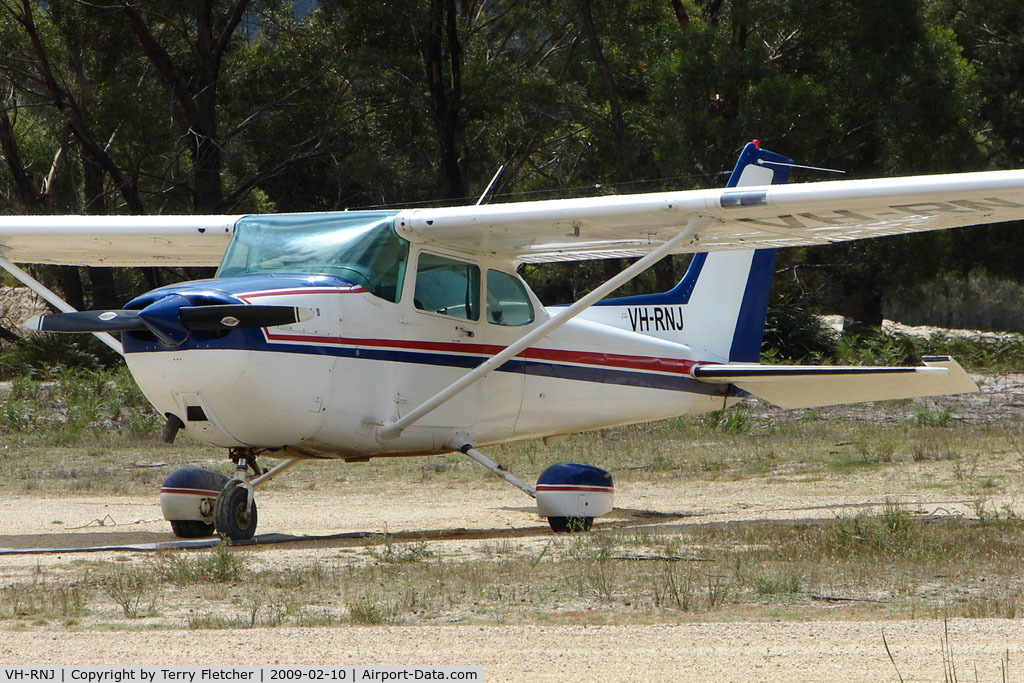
78 405
338 108
923 417
41 355
794 333
990 354
876 349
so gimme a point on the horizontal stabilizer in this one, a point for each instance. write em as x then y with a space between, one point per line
810 386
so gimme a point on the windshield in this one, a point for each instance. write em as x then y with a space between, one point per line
359 246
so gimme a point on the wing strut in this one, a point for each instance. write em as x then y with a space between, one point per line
394 429
40 289
497 469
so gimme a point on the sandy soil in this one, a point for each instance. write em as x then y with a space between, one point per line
811 651
459 520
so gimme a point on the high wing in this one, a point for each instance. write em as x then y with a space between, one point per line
741 218
116 240
738 218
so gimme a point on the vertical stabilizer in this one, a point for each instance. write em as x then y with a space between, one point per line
719 306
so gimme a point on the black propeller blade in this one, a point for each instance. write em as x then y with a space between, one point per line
217 317
86 321
240 316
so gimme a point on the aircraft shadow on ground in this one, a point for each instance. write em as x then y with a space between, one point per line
620 518
148 541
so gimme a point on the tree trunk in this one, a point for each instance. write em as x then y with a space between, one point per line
611 91
664 274
208 195
196 92
27 193
101 280
863 304
681 16
71 286
442 45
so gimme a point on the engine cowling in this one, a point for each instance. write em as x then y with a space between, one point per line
571 495
187 499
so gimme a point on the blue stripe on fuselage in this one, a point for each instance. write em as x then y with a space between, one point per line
253 340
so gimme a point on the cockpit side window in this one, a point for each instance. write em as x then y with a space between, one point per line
447 286
507 300
384 255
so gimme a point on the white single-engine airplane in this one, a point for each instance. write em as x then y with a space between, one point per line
363 334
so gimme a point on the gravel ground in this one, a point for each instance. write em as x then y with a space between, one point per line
736 651
780 651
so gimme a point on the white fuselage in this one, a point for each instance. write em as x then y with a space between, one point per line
322 387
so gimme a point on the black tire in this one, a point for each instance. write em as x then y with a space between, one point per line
232 515
191 528
570 525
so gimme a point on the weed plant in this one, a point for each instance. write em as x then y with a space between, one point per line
129 586
220 565
43 600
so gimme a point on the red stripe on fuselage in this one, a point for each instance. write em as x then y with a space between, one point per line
192 492
354 289
670 365
649 363
572 487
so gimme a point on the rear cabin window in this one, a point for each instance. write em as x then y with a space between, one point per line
507 300
447 286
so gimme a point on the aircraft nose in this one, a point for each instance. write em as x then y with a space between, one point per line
163 318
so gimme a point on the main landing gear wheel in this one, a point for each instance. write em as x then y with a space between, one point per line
233 516
190 528
570 525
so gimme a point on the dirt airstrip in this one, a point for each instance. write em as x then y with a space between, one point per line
763 650
459 520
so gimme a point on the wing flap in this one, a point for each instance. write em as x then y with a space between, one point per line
802 386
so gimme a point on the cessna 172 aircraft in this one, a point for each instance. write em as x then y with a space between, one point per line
364 334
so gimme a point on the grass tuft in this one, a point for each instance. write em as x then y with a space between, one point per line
220 564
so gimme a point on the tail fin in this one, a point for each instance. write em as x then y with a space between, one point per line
719 306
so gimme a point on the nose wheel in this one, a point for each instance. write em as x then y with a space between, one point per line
235 515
